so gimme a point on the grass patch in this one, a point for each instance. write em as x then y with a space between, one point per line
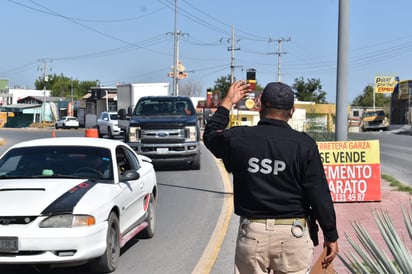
395 183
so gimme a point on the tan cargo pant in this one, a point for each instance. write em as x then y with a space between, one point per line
270 248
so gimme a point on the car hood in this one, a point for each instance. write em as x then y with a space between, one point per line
373 118
41 196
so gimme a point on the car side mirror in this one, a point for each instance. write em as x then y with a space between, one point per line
122 114
129 175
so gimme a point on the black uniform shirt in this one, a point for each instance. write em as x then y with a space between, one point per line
277 171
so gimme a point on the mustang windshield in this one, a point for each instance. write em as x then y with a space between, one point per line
57 161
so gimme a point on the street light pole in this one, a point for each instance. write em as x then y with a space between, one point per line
342 72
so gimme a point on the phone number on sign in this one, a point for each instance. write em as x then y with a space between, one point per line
350 197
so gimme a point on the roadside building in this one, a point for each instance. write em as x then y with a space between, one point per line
28 110
95 101
400 112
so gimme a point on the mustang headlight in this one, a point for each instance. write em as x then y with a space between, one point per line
134 134
67 220
191 133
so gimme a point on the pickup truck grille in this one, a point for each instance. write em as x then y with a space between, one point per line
164 136
375 122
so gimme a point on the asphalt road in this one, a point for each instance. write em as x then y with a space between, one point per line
188 208
395 151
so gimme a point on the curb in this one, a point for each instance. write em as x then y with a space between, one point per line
211 252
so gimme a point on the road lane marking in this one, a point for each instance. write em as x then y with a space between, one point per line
211 252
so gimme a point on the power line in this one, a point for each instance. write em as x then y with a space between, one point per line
85 19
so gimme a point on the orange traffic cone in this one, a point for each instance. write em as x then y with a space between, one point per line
53 133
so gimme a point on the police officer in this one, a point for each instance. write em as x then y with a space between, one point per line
278 182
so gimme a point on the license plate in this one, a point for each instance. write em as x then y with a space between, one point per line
162 150
8 244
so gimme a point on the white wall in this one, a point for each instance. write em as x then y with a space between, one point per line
22 93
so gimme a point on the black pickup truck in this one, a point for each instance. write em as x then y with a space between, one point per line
166 129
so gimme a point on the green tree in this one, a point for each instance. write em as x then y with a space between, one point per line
62 86
84 86
366 98
222 84
310 91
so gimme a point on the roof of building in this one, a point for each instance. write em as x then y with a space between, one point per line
18 107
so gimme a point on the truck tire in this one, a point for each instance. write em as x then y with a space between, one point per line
125 138
196 162
99 132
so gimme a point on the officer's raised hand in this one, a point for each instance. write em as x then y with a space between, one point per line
237 91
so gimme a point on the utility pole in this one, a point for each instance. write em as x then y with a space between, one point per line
342 72
71 101
45 78
176 34
232 49
279 53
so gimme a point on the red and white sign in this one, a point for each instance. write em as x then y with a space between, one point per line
352 169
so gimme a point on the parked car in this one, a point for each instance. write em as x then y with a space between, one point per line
67 122
107 124
74 199
374 119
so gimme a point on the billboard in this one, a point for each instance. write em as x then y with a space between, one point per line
405 89
251 102
4 84
352 169
385 84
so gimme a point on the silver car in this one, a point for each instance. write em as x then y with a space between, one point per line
107 124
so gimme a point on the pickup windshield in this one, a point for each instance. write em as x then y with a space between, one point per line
373 113
164 106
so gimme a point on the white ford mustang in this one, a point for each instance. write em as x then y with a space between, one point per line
74 200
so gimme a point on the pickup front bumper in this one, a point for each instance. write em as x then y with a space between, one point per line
168 153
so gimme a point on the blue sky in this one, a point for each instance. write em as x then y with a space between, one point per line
130 40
